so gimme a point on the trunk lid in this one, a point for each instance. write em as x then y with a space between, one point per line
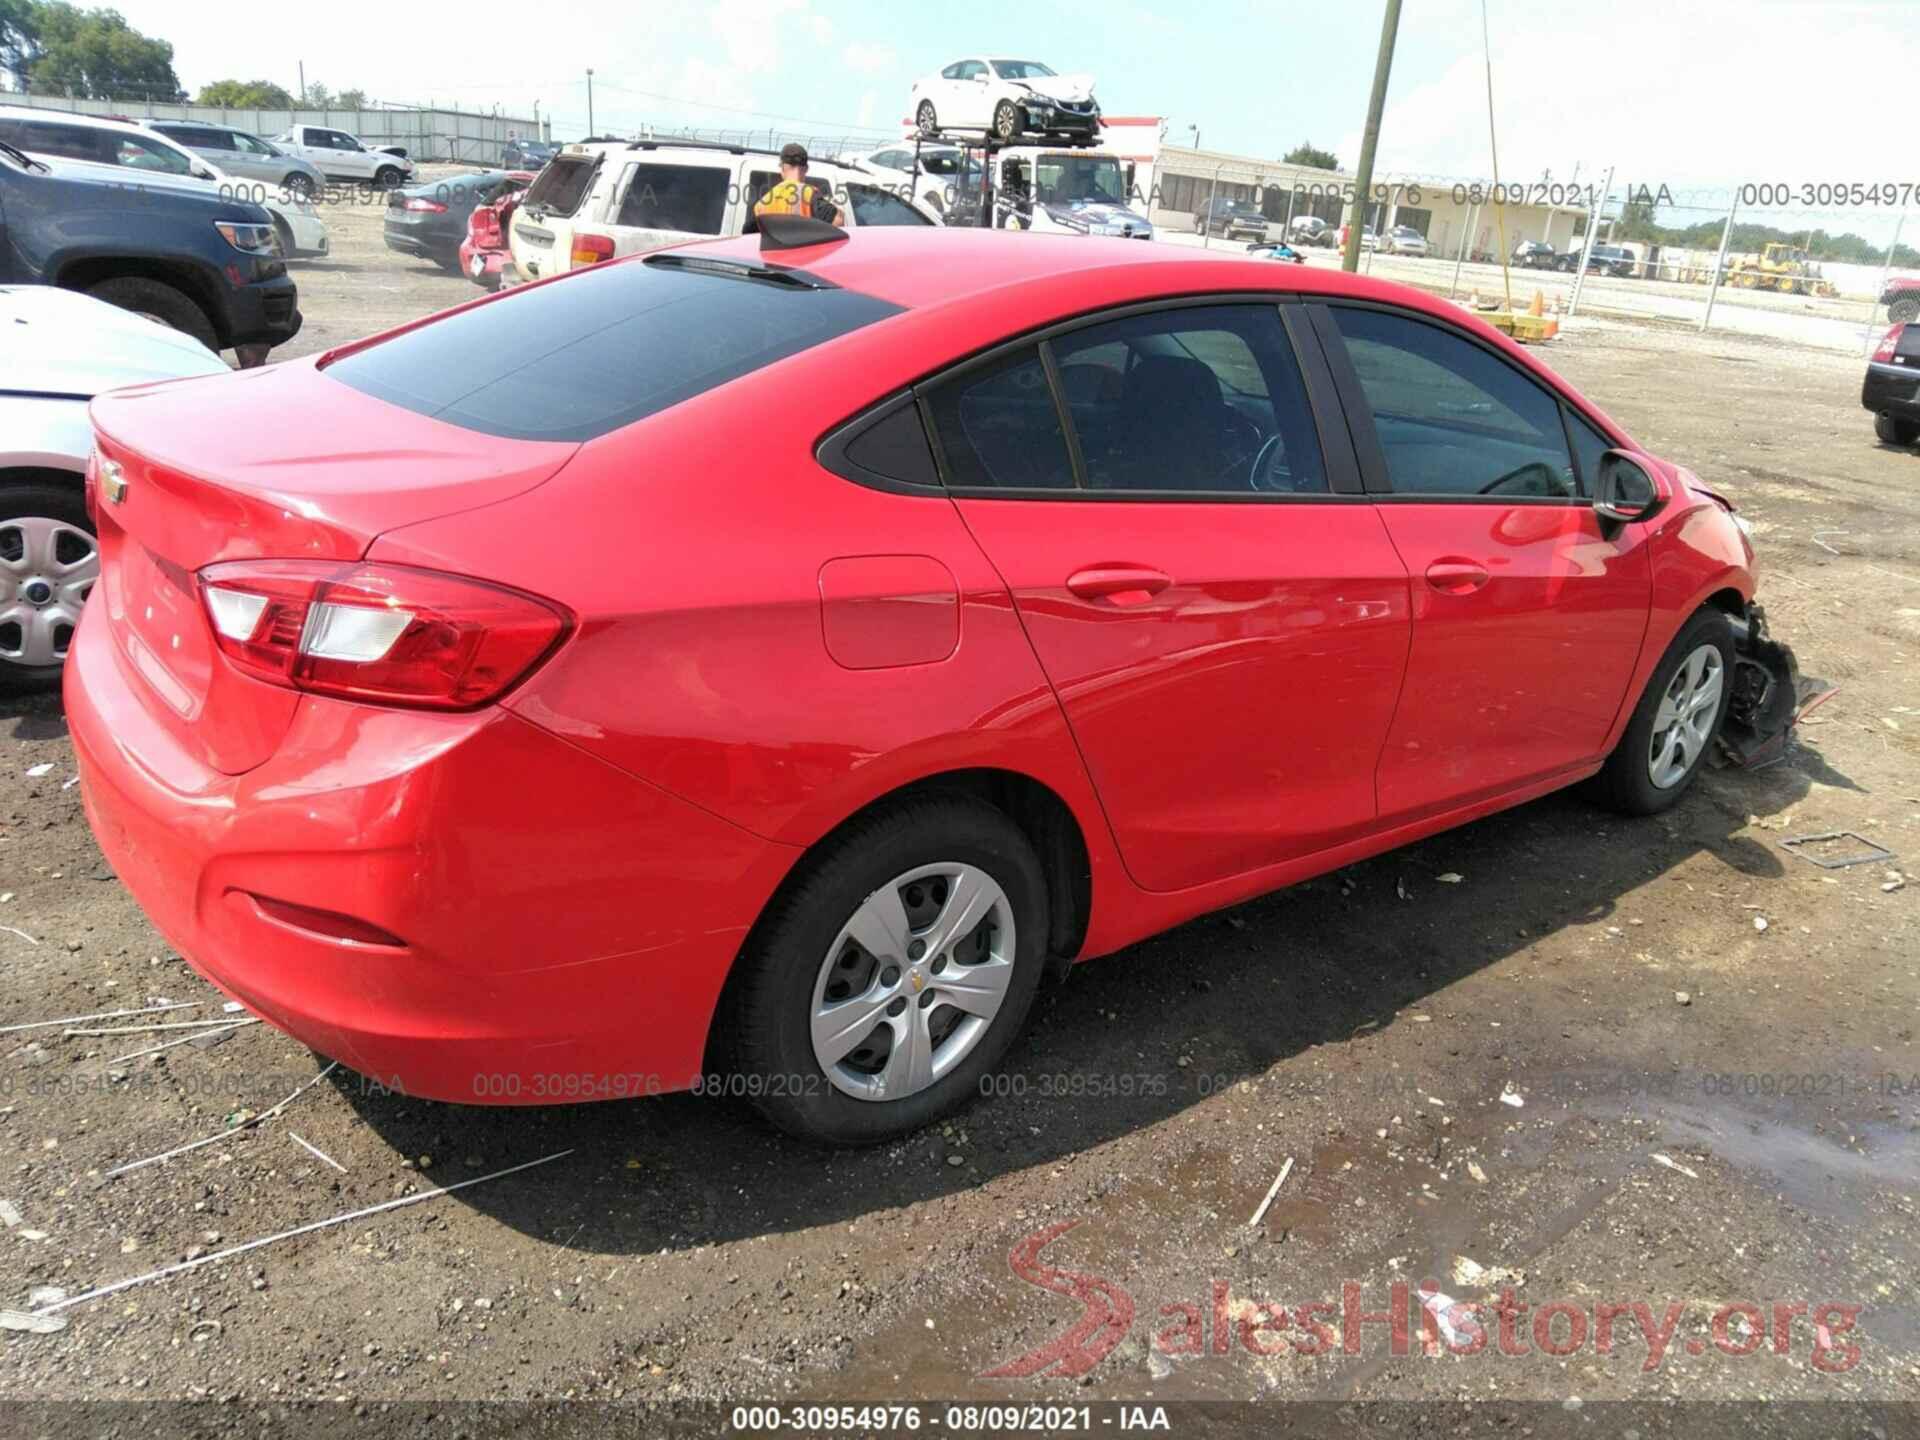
280 462
540 234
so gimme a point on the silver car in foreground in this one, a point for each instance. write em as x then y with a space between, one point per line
62 348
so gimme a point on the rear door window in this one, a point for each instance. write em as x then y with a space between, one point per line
999 428
875 206
689 198
563 184
600 349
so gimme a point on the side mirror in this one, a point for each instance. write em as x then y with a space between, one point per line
1627 489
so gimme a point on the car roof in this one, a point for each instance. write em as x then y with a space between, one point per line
67 117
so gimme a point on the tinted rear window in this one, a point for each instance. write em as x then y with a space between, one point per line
561 187
689 198
599 349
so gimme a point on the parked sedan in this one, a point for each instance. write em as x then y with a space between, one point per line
243 155
430 220
794 767
1892 387
1405 240
62 349
1535 255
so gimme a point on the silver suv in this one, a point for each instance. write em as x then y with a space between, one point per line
238 153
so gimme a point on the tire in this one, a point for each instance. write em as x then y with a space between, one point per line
55 506
1904 310
283 232
1892 430
802 949
387 176
1627 782
1009 120
298 185
160 301
925 118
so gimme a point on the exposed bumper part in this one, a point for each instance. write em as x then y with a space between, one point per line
1770 695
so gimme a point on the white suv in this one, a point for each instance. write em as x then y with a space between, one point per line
602 199
340 156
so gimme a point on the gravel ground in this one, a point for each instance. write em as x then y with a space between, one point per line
1712 1109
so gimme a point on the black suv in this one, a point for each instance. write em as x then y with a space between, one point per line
1605 260
200 262
1231 218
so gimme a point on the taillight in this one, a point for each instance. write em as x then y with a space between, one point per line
589 249
483 226
1889 343
383 634
420 202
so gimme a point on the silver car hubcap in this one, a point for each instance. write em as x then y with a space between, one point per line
47 568
913 981
1683 724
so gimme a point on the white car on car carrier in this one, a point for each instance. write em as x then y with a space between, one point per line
1006 99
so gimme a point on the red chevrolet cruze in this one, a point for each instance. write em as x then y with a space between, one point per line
769 663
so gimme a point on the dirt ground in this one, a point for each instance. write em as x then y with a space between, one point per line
1711 1044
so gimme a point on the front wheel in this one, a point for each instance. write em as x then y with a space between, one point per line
48 563
1674 725
387 177
158 301
1009 120
892 976
924 117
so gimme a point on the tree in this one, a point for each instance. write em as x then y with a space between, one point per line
246 95
1306 154
350 100
96 54
317 97
19 38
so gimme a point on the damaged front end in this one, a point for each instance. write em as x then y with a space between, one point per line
1770 695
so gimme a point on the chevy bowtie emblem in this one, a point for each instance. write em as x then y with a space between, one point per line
113 480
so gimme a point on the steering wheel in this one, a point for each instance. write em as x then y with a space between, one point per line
1237 426
1256 477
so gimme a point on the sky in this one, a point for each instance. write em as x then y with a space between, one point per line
1699 95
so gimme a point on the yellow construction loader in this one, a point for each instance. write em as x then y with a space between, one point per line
1781 267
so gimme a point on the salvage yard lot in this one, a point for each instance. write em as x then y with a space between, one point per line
1680 987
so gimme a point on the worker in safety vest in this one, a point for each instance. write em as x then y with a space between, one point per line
795 194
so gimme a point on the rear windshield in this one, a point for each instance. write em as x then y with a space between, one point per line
688 198
563 184
599 349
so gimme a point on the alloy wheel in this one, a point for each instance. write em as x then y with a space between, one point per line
913 981
47 569
1683 725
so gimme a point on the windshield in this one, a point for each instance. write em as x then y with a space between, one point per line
1020 70
1064 179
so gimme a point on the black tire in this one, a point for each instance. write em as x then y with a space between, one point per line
36 497
1892 430
1009 120
1904 310
1624 783
298 185
925 118
387 176
767 1039
160 301
283 232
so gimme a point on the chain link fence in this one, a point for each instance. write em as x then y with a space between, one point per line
428 132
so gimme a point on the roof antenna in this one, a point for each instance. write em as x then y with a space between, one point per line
796 232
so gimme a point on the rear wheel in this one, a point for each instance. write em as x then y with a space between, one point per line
48 564
1892 430
1009 120
892 975
159 301
1674 725
925 118
299 186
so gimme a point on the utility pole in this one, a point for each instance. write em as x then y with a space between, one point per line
590 130
1370 139
303 82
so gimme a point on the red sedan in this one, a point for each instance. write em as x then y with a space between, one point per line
771 663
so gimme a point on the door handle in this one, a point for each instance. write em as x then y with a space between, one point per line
1122 584
1456 577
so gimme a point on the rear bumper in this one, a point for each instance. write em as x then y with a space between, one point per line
1892 390
423 243
483 267
564 930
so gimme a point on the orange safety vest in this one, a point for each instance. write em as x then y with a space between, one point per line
791 197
